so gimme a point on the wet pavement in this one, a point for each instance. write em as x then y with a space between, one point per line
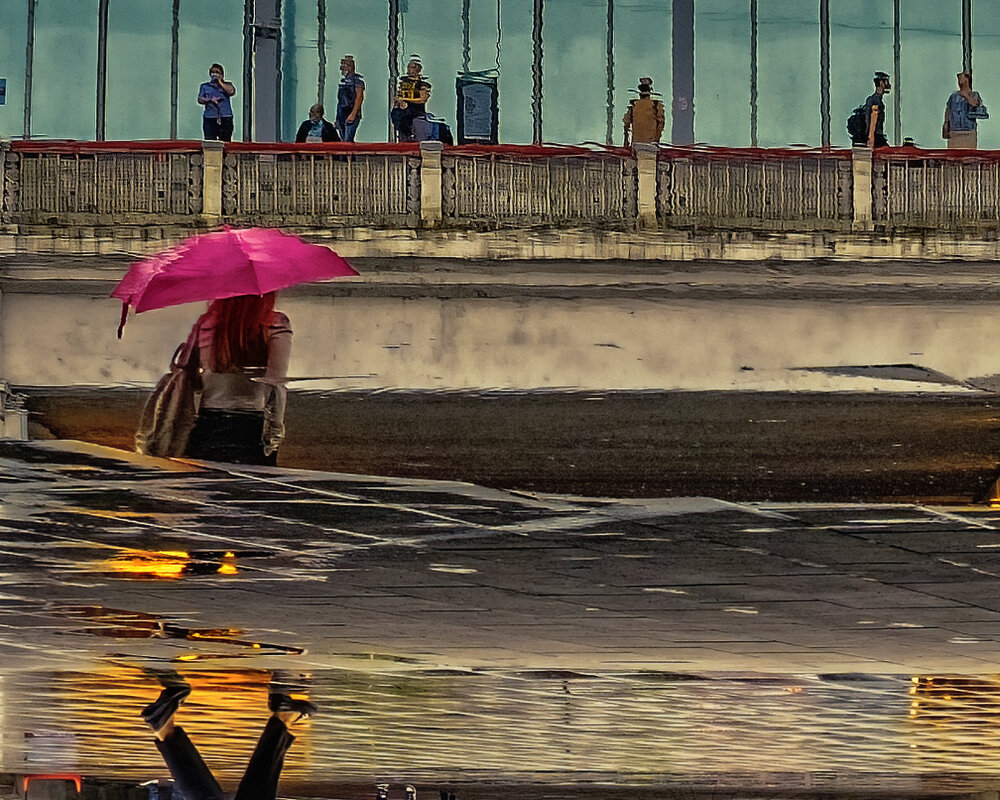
729 445
457 635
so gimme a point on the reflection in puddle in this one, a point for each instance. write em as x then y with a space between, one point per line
540 726
119 624
169 564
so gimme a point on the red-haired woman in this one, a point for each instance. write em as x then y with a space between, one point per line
243 350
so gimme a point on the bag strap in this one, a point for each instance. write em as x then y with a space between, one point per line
186 356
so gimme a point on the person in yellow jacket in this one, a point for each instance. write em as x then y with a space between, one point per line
645 117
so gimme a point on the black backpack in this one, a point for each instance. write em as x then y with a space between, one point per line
857 125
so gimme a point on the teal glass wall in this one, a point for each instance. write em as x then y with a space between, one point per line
788 73
13 36
138 98
210 31
931 55
985 65
64 89
575 106
858 26
722 72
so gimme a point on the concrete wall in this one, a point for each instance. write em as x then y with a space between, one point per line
526 342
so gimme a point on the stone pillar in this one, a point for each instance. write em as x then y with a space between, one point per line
211 176
430 183
267 71
861 167
645 157
682 74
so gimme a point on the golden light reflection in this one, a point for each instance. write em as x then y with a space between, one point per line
955 700
224 716
995 495
167 564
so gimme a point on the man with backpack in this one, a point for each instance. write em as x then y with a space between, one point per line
866 125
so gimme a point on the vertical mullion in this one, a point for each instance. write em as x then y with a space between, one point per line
248 37
102 68
174 38
393 45
466 45
536 71
897 99
967 36
321 47
824 71
29 61
611 72
753 73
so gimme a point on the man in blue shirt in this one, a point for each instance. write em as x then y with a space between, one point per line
350 96
217 122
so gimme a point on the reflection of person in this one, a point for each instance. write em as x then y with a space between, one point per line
350 96
411 100
960 118
217 121
645 117
243 350
875 111
189 771
316 129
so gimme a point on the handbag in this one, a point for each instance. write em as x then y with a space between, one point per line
978 112
172 410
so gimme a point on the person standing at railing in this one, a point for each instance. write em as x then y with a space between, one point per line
875 111
645 118
217 121
961 113
350 96
411 100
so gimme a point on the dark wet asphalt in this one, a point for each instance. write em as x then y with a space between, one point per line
456 635
735 446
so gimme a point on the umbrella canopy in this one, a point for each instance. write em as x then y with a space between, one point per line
226 263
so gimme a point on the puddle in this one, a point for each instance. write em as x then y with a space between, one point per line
121 624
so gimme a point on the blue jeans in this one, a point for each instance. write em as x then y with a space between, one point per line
347 129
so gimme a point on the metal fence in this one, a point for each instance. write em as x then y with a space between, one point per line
529 186
936 189
777 189
99 184
323 186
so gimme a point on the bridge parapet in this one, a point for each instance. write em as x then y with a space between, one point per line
335 186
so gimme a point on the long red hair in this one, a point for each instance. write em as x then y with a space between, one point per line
239 338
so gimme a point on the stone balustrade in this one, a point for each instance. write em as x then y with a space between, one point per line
406 186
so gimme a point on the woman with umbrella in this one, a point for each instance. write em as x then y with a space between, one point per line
224 398
243 349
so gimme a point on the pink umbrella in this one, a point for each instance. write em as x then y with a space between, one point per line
226 263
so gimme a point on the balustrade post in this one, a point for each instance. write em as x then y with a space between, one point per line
430 184
211 177
5 210
645 157
861 167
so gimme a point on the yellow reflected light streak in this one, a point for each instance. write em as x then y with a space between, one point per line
163 564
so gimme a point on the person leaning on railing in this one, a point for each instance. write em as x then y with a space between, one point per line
961 113
316 129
